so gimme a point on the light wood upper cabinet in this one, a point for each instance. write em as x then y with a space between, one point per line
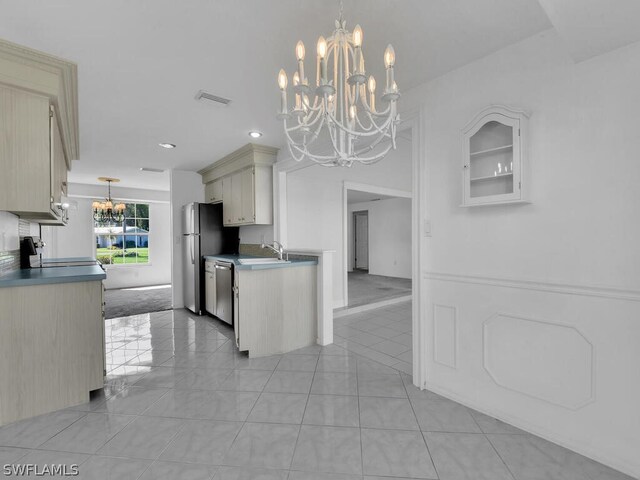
247 196
213 191
494 157
32 157
246 179
38 141
232 200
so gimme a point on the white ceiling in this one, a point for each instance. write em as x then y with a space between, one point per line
141 63
592 27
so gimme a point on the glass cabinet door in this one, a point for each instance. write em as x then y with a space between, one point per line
493 160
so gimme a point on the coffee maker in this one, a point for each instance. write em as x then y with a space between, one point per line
28 248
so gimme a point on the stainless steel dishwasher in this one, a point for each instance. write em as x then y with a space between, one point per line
224 291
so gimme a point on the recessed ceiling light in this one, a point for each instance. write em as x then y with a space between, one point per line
255 134
167 145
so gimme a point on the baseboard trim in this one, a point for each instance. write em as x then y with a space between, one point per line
595 454
370 306
561 288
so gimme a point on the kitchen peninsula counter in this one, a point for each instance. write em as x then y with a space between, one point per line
235 259
275 304
51 338
49 275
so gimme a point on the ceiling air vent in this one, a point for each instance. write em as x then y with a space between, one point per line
202 95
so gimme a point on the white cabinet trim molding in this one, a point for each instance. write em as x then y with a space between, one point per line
34 71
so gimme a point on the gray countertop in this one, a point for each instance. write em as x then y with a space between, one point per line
45 276
239 266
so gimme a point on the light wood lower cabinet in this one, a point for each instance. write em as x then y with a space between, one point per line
210 288
275 309
51 347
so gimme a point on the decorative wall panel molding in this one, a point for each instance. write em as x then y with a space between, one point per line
444 335
543 360
563 288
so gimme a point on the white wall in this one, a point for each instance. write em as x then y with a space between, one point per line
76 239
315 203
9 238
255 233
186 187
518 294
389 236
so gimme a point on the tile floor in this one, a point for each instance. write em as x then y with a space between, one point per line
383 335
181 403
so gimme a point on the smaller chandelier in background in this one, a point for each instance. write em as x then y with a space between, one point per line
342 111
108 212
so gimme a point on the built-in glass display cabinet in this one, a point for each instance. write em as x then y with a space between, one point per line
494 146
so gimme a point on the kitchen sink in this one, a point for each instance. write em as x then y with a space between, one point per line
261 261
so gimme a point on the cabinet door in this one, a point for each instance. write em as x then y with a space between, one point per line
229 217
58 167
218 193
24 152
493 158
213 191
236 196
208 192
247 202
210 292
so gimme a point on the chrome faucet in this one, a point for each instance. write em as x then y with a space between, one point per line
277 247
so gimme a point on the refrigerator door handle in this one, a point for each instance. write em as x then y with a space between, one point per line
191 240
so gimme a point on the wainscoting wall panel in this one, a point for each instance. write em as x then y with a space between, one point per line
444 335
553 364
544 360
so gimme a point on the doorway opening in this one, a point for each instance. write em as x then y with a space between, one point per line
378 245
361 241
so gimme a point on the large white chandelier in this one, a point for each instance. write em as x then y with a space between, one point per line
342 115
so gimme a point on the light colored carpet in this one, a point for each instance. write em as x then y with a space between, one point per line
134 301
365 288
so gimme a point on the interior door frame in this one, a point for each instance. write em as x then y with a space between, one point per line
367 188
355 240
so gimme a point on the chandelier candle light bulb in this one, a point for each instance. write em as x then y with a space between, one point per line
300 57
372 93
338 116
389 61
322 57
282 83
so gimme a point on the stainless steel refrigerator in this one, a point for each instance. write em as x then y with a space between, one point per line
202 234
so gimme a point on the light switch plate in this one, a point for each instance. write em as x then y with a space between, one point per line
427 228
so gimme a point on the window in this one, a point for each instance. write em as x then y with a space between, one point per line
126 242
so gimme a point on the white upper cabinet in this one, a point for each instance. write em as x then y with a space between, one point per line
243 181
213 191
494 157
